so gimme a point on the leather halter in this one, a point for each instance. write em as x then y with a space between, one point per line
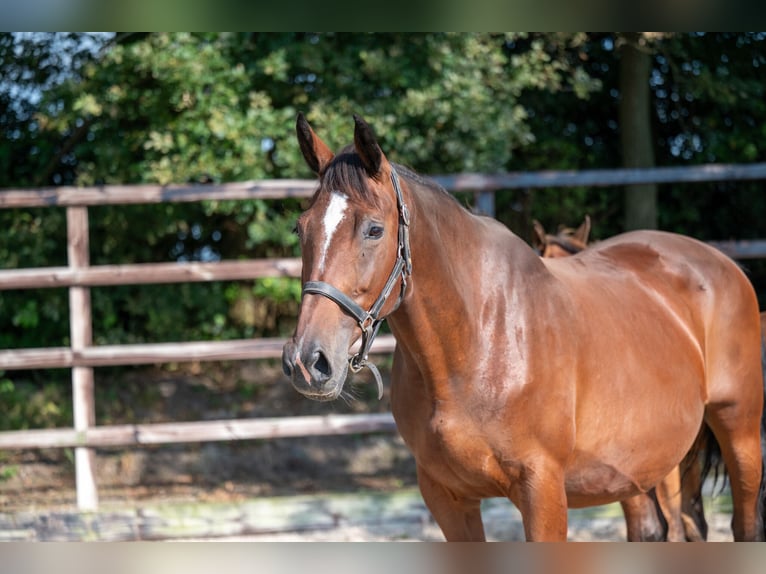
369 321
571 245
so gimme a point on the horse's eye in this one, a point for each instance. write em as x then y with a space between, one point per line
374 232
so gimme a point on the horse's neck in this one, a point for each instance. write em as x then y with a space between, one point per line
443 235
451 243
458 260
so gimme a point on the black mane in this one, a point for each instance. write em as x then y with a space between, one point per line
422 180
347 173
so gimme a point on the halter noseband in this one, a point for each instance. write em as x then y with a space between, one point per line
370 321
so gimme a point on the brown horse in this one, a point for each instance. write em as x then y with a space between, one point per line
641 511
492 398
679 495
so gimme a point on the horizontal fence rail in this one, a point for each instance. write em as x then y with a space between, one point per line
79 276
146 194
155 353
603 177
303 188
200 431
742 249
148 273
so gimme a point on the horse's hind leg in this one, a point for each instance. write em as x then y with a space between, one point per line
458 518
741 450
641 519
735 405
669 500
734 385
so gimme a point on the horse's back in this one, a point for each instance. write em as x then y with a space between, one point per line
695 283
680 267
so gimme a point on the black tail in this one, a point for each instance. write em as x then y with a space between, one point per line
712 459
709 452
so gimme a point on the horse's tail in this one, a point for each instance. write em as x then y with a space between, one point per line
703 457
712 459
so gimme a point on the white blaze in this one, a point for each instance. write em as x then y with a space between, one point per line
336 211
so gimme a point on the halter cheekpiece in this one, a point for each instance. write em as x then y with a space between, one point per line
370 321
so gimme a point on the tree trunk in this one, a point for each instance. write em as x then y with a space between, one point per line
636 132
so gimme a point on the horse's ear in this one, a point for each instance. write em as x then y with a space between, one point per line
315 151
539 239
583 231
367 146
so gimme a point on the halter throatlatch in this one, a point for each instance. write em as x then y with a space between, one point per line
370 321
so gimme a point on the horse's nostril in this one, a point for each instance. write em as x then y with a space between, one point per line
321 365
288 361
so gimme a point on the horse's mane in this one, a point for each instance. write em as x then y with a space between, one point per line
346 172
423 181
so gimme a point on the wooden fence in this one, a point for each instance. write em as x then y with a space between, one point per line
79 276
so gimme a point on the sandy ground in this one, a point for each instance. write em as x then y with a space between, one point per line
500 526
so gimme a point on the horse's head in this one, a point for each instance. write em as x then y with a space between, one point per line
355 252
566 242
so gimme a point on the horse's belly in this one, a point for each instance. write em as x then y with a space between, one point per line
615 469
599 483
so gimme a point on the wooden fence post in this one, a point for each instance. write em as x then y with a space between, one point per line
81 335
485 202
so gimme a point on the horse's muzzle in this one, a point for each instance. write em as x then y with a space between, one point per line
313 372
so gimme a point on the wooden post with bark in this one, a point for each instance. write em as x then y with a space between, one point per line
636 130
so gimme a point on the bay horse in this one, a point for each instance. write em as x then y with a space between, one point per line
494 399
681 508
679 495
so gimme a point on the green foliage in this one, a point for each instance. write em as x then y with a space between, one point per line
7 472
28 405
221 107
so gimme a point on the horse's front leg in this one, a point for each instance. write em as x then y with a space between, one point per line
459 518
542 500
